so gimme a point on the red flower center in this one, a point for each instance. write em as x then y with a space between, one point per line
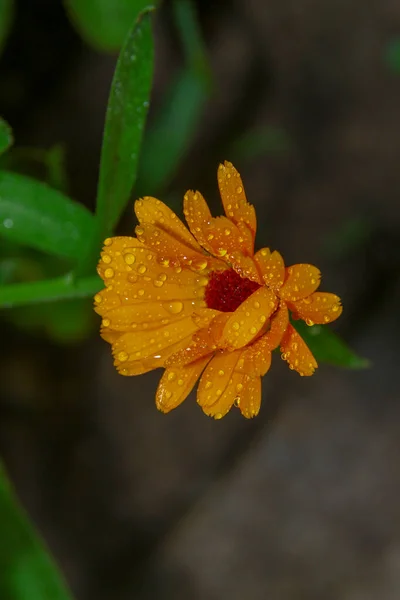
226 290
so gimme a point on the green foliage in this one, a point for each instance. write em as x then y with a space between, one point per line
27 571
35 215
126 116
104 23
6 14
6 136
392 55
327 347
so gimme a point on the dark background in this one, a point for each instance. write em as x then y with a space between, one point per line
301 503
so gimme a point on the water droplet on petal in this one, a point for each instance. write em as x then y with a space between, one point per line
105 322
221 372
218 416
122 356
106 259
175 307
108 242
171 376
208 385
309 322
109 273
98 299
129 259
142 269
235 325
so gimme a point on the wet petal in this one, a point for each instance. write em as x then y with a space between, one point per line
255 359
272 268
296 353
224 237
177 383
216 378
234 198
279 324
153 211
250 400
142 344
171 249
197 215
249 319
302 280
245 266
113 257
320 307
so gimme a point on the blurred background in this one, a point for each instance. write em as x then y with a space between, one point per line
301 503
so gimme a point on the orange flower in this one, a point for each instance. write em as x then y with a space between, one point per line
203 304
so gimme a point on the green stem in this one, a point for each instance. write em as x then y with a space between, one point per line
60 288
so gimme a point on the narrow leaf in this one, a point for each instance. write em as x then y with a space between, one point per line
126 116
104 24
328 347
48 290
27 571
6 136
35 215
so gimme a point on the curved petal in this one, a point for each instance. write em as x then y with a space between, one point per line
249 319
153 211
279 324
177 383
256 359
143 344
216 378
272 268
245 266
320 307
171 249
113 256
224 237
197 215
296 353
250 401
234 198
225 402
302 280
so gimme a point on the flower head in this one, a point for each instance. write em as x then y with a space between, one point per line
202 305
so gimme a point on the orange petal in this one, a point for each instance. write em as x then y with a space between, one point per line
224 237
272 267
279 324
296 353
197 215
250 401
153 211
233 197
135 346
256 359
216 378
320 307
302 280
177 383
113 257
147 315
249 319
171 249
245 266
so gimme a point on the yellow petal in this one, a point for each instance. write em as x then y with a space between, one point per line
113 257
177 383
250 400
128 367
302 280
272 267
237 209
197 215
216 378
279 324
250 318
256 358
135 346
224 237
320 307
296 353
245 266
171 249
153 211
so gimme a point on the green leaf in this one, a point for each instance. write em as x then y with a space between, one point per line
392 55
327 347
6 14
104 24
6 136
27 570
177 123
191 37
49 290
125 120
33 214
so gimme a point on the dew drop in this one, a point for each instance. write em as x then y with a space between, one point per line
108 242
171 376
253 330
239 189
309 322
109 273
168 394
158 283
106 259
105 322
122 356
208 385
210 237
335 308
284 356
236 402
263 318
218 392
142 269
141 292
227 231
180 381
98 299
235 326
239 387
256 304
175 307
221 372
327 318
139 231
129 259
218 416
295 346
